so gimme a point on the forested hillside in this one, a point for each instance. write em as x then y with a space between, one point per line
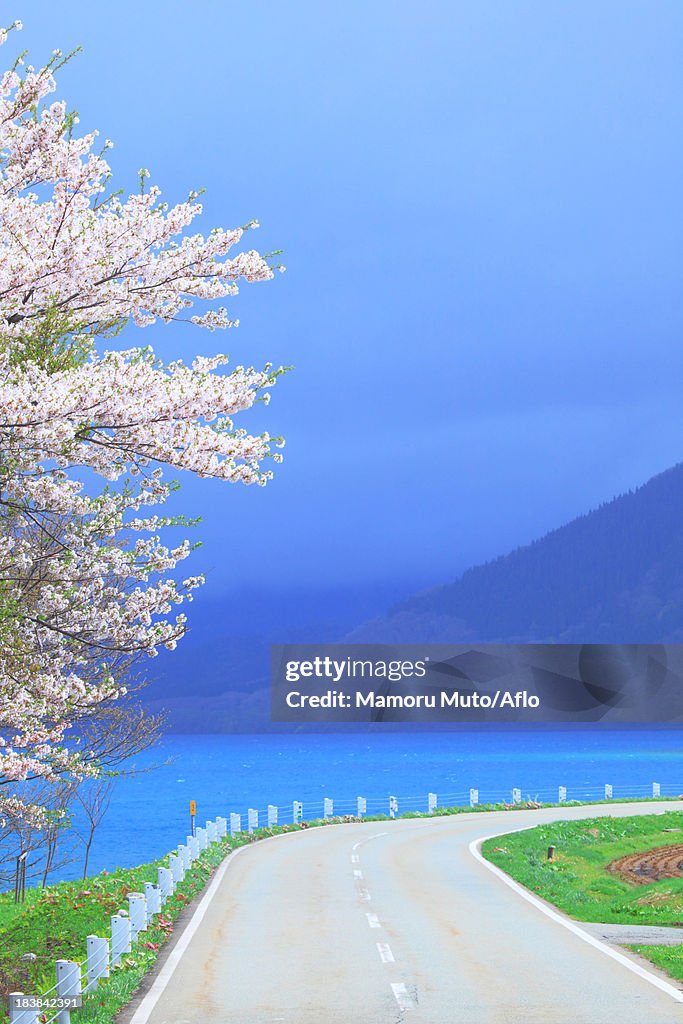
612 575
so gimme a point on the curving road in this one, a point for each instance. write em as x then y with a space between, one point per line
382 923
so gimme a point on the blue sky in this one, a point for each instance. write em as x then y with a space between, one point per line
480 207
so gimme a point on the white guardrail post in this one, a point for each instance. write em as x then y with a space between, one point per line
17 1016
431 802
393 806
137 911
562 795
297 811
362 806
120 937
656 789
252 819
222 827
97 961
235 824
474 797
153 898
328 807
608 791
516 796
68 984
165 879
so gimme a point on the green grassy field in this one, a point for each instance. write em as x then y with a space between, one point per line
578 883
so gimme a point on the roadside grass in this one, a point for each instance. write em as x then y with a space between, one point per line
54 922
578 883
667 958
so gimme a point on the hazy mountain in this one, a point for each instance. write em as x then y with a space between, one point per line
612 576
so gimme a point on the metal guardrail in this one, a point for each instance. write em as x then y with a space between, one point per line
428 803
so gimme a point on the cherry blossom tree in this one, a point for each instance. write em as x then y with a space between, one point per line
84 573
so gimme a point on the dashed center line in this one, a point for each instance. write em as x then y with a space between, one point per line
401 995
385 954
357 873
364 894
355 859
373 920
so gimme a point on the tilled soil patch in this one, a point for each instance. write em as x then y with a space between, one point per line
650 866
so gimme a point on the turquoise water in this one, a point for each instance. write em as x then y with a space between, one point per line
148 815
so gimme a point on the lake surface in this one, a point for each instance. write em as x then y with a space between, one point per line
149 813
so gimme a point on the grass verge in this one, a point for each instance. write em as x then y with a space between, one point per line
577 880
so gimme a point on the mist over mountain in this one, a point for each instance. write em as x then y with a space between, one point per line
610 576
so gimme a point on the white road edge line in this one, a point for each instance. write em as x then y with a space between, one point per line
385 954
144 1010
401 994
642 972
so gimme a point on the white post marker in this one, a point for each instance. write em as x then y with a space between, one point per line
202 839
68 984
221 827
185 856
562 794
474 797
165 879
21 1016
211 831
272 815
235 824
153 898
328 807
516 796
120 937
431 802
656 789
137 911
393 806
176 866
362 806
252 819
608 791
97 963
297 811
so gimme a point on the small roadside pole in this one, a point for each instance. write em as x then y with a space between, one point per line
551 852
193 817
20 878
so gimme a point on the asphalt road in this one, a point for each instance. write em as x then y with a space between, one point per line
381 923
